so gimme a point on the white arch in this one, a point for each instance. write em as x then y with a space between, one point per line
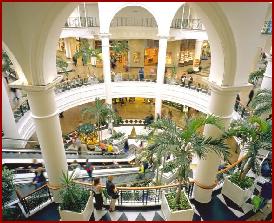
17 67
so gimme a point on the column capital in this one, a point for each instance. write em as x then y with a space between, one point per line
21 84
228 89
104 35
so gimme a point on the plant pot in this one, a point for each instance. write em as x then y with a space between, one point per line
238 195
76 216
182 215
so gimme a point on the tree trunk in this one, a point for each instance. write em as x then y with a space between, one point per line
161 177
245 170
157 174
178 195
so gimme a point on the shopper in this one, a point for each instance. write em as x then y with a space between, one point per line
126 146
266 193
39 180
237 103
112 192
110 148
97 191
141 74
89 169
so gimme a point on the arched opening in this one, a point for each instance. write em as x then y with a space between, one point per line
133 44
79 48
188 56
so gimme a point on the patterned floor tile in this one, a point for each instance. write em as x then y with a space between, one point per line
123 217
140 217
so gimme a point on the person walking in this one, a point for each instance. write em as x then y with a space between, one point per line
237 103
112 192
141 74
126 146
97 191
89 169
39 180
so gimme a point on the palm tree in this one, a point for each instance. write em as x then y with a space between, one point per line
262 102
119 48
256 75
86 52
183 144
255 134
101 112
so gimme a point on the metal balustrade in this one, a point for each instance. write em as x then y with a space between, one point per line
78 22
21 110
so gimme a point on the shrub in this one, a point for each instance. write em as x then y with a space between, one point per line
190 70
7 184
183 204
244 183
74 197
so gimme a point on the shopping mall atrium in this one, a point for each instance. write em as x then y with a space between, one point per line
137 111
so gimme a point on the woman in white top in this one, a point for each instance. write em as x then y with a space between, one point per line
97 190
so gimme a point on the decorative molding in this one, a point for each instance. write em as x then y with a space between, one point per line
228 89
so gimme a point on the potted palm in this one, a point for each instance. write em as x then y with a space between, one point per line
182 145
87 53
262 102
255 134
101 112
77 203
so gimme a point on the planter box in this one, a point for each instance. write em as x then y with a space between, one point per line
182 215
235 193
76 216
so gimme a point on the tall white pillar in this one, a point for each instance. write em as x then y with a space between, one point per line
67 48
205 174
9 126
197 56
106 65
267 79
160 73
46 119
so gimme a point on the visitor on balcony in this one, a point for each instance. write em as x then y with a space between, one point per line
39 180
183 80
103 147
237 103
141 74
112 192
97 191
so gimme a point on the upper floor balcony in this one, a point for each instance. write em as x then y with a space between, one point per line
85 22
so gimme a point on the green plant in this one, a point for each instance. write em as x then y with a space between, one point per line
174 206
119 48
255 134
182 144
101 112
7 185
86 52
190 70
117 135
74 198
243 183
173 71
62 64
262 102
255 76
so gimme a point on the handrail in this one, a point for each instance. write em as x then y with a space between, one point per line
32 192
232 165
19 139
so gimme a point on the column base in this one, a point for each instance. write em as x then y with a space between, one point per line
202 195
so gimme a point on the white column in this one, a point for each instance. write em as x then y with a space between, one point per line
9 126
106 65
67 48
160 73
207 168
197 56
267 79
45 115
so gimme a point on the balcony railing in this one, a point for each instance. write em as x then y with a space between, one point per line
21 110
76 22
132 21
267 28
193 24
